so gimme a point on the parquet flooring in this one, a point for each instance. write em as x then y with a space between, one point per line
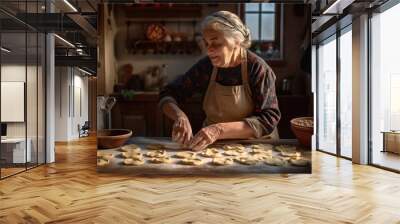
71 191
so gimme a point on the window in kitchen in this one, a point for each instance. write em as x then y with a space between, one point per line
263 20
385 89
345 58
326 99
260 17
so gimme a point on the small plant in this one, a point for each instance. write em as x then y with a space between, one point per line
128 94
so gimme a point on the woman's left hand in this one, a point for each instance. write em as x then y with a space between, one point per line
205 137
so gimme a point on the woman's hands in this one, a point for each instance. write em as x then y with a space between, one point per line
182 130
205 137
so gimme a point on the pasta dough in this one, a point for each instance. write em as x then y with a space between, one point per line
291 154
262 146
131 148
246 160
160 160
105 156
236 147
222 161
131 155
299 162
134 162
287 148
261 151
192 161
185 155
210 152
234 153
275 161
102 162
157 154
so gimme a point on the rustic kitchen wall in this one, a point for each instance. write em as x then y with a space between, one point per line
296 25
115 40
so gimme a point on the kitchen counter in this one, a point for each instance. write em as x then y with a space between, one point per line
116 164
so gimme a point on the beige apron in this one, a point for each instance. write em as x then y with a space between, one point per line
230 103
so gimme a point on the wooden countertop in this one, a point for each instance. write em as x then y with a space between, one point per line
207 169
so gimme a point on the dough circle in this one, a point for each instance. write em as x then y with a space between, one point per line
131 148
157 154
104 155
210 153
102 162
185 155
299 162
236 147
134 162
222 161
192 161
160 160
275 161
128 155
262 146
246 160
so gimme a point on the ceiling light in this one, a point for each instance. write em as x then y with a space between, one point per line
84 71
5 50
70 5
65 41
338 6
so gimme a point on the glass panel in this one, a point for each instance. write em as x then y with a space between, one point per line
252 7
31 97
41 98
13 80
252 22
268 7
346 94
268 27
385 88
327 96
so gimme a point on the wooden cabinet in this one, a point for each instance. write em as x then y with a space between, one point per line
142 115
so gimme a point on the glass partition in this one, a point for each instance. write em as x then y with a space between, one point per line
346 92
22 87
385 89
326 99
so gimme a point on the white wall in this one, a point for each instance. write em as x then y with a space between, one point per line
70 83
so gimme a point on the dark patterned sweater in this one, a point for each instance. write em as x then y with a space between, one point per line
266 114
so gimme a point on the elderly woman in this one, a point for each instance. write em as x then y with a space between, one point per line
237 86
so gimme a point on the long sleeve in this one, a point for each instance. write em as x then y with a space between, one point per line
194 80
266 113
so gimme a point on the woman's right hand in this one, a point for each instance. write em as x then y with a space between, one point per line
182 130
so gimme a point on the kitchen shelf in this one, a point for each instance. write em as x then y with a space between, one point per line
172 47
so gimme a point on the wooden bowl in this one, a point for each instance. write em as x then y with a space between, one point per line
112 138
303 132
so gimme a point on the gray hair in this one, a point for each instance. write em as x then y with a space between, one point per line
230 24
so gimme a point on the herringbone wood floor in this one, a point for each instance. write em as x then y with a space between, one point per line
70 191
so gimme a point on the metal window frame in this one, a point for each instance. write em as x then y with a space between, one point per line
381 9
259 13
44 74
334 37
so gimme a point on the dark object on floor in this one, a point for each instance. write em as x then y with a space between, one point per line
84 130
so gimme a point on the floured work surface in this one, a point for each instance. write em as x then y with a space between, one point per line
161 156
